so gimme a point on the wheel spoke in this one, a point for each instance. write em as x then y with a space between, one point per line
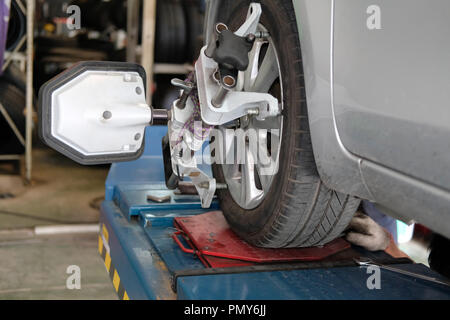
250 179
267 73
265 165
270 124
226 146
249 192
235 174
264 177
263 169
252 71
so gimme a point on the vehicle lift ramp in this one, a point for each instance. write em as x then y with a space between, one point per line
148 257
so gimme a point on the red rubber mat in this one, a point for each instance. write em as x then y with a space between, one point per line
212 240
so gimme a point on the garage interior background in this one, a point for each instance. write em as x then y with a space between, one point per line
60 192
40 189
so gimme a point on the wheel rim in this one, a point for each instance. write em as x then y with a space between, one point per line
251 176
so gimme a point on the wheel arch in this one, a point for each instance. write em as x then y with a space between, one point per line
338 168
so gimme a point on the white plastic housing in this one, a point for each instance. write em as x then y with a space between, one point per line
101 113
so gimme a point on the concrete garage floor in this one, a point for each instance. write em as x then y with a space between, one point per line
62 192
35 268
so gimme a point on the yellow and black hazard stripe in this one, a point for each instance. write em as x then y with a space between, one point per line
103 249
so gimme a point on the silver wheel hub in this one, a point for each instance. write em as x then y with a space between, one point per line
250 178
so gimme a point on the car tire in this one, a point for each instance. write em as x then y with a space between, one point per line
170 32
13 100
299 210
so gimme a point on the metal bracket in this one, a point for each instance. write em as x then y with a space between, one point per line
252 21
236 104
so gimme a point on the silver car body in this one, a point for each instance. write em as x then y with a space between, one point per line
377 76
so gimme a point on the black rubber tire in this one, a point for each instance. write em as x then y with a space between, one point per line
16 27
194 23
16 77
13 101
180 32
163 33
170 32
299 210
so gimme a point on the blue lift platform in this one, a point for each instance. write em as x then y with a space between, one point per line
144 262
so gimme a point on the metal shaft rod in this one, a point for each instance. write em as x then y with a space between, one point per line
29 97
367 262
160 116
219 97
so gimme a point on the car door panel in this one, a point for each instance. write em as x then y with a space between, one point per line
392 85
